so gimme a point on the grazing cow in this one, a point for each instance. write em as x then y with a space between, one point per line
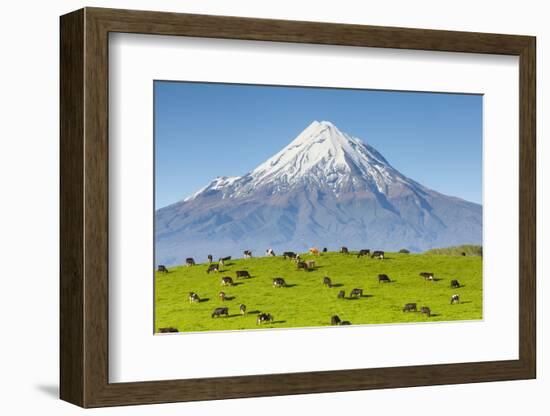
189 261
325 249
409 307
383 278
345 323
223 311
222 296
341 294
289 255
263 318
335 320
463 253
210 259
344 250
427 276
279 282
242 273
310 264
455 284
378 254
314 251
426 311
162 269
302 265
193 297
168 330
269 252
213 268
247 254
455 299
222 260
227 281
242 308
363 253
356 293
327 282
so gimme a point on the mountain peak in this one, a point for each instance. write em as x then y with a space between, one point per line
321 156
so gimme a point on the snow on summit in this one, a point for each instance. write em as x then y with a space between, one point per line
321 156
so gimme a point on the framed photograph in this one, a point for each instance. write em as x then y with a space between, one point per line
255 207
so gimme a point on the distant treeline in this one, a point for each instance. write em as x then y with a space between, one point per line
468 249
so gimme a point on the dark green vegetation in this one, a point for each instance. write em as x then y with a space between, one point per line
306 302
467 249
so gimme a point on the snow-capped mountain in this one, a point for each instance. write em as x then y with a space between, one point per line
325 188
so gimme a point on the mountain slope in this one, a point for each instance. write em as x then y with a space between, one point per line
325 188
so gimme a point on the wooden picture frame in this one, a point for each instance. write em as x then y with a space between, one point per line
84 207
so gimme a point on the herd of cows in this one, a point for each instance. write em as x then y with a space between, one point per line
279 282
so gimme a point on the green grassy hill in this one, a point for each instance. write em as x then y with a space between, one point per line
306 302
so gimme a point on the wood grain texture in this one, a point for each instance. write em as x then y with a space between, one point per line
84 207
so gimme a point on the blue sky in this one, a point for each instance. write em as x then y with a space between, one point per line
205 130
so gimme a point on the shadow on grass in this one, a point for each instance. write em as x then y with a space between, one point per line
204 300
337 285
254 312
292 285
229 297
462 302
278 322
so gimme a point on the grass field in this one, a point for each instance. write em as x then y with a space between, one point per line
306 302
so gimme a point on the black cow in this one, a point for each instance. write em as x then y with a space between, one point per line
289 255
463 253
327 282
242 308
168 330
335 320
363 253
383 278
189 261
210 258
455 299
193 297
378 254
356 293
427 276
162 269
344 250
345 323
325 249
213 268
279 282
222 296
426 311
341 294
223 311
455 284
263 318
242 273
247 254
227 281
409 307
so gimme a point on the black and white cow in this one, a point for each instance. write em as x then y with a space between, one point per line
189 261
227 281
344 250
289 255
363 252
377 254
222 260
341 294
247 254
213 268
356 293
455 284
455 299
193 297
162 269
263 318
242 309
279 282
222 296
327 282
222 311
427 276
270 253
409 307
210 259
335 320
